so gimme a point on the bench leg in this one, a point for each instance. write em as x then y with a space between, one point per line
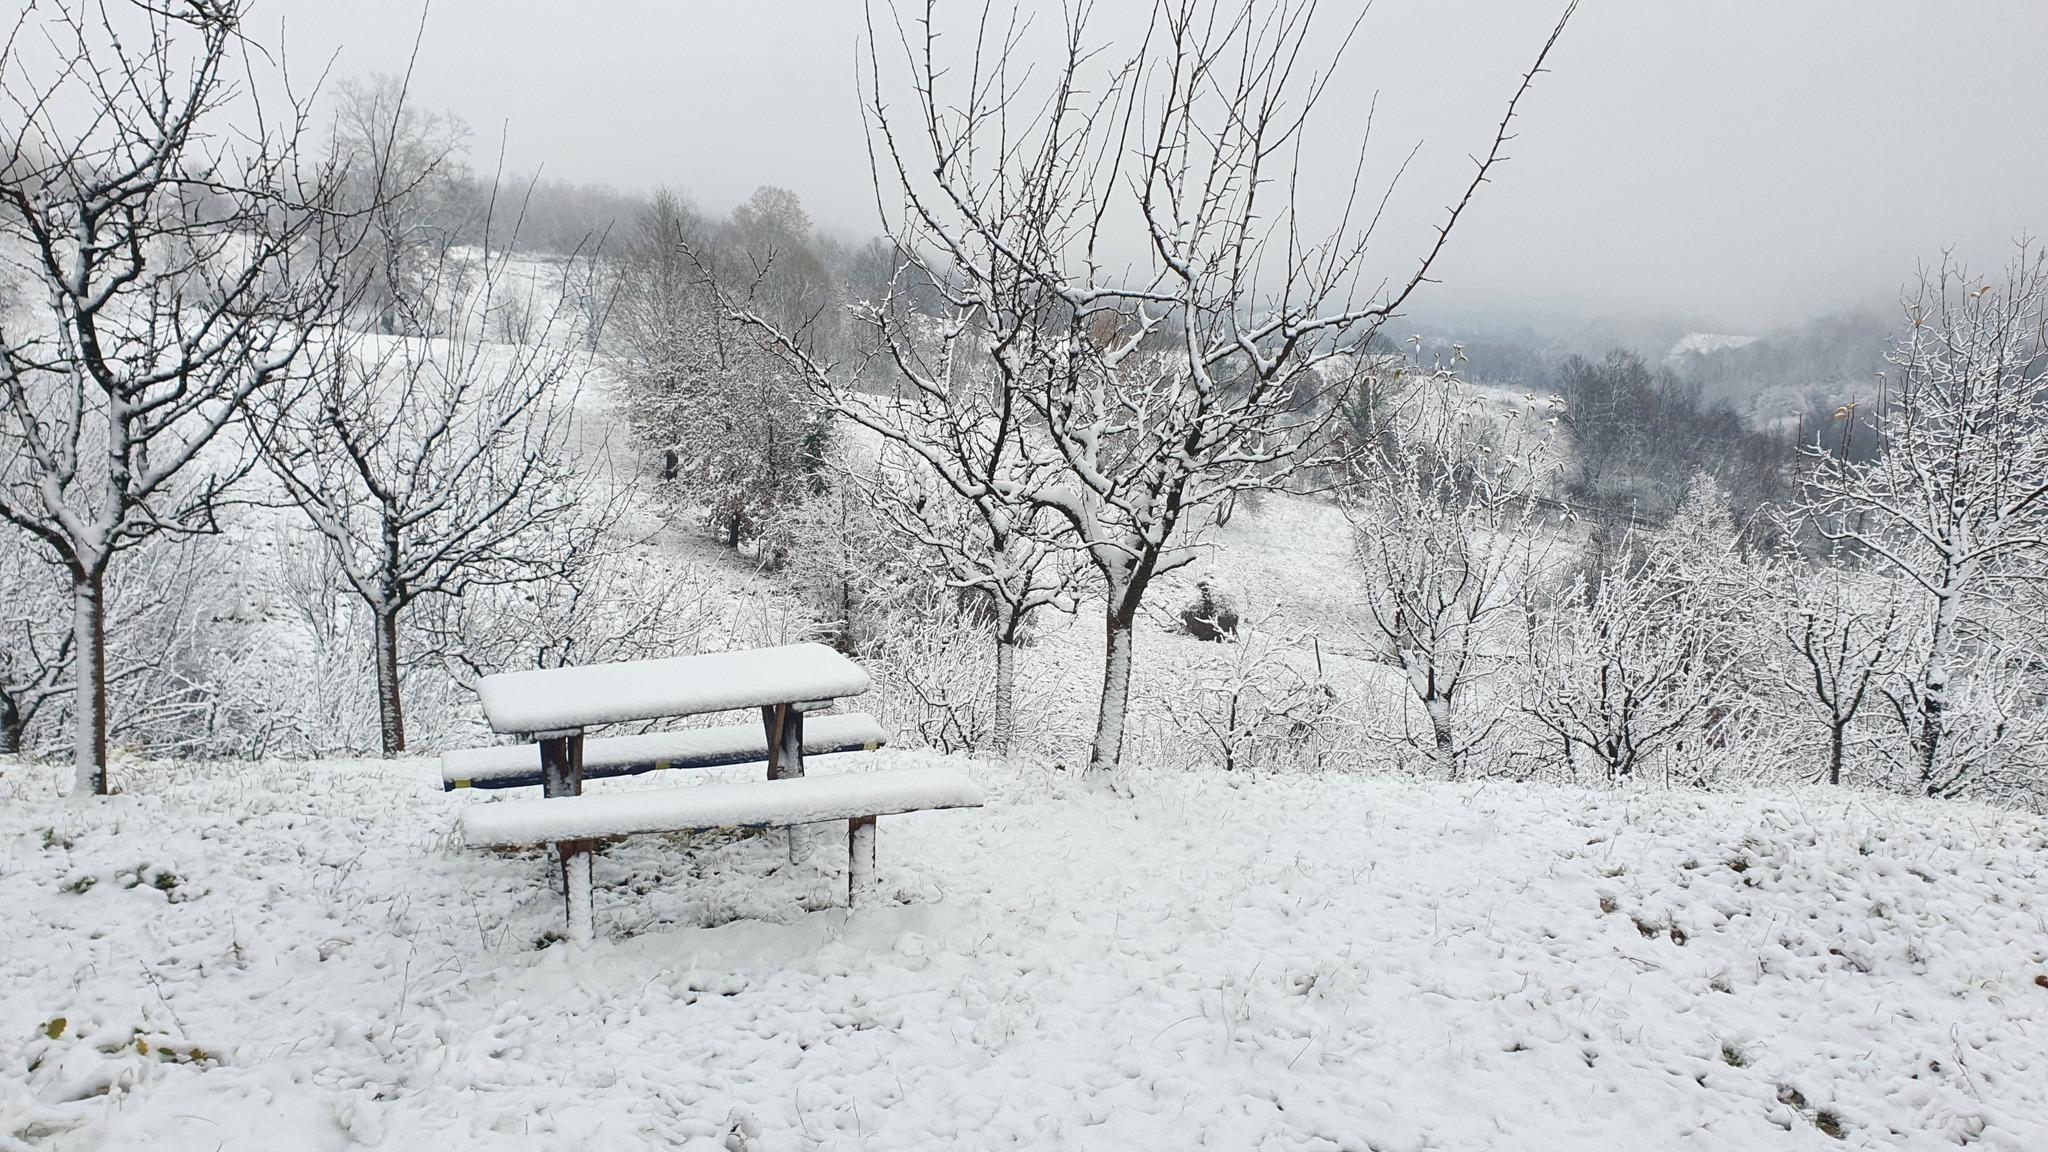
860 859
576 894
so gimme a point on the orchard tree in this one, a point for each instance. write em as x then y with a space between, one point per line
434 467
35 639
1956 502
403 180
178 260
1123 398
1841 629
1632 662
1447 526
1007 563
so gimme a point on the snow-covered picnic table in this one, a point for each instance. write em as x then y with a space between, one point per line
547 700
554 706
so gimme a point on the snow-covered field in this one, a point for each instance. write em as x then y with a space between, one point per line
300 956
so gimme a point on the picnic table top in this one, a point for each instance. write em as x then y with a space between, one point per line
566 699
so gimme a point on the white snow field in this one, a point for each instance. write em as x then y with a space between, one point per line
302 956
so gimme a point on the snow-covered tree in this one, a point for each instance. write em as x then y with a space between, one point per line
406 189
1446 525
433 466
616 599
1264 703
1639 661
35 639
770 243
1124 398
1001 564
1956 499
1841 630
173 260
733 427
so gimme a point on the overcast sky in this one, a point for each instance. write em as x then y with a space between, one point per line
1745 164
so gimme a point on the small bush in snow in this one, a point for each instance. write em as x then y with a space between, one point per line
1211 615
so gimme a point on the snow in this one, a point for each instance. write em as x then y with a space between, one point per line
484 767
313 961
555 699
776 803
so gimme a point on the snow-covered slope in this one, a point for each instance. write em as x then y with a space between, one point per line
1708 343
301 956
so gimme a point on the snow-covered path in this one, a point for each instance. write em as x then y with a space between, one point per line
1311 962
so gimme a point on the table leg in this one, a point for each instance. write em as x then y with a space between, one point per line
561 769
784 727
561 765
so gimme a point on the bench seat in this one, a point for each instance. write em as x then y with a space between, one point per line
751 804
519 766
572 822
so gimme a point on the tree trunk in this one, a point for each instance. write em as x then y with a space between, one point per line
1934 686
1439 709
1108 748
1835 751
89 707
10 726
1006 691
390 708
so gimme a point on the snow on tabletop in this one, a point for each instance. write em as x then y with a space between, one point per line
821 734
313 961
803 800
552 699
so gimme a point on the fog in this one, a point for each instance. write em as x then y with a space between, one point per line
1742 165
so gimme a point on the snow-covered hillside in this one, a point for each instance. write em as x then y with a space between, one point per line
1708 343
301 956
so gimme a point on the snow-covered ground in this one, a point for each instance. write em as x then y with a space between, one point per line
302 956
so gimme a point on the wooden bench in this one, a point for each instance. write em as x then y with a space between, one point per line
575 821
520 765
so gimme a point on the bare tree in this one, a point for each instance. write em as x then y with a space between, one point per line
770 235
403 179
660 291
35 640
430 467
1121 402
1629 665
1843 635
614 599
173 248
1446 526
1261 707
1005 563
1957 500
735 431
